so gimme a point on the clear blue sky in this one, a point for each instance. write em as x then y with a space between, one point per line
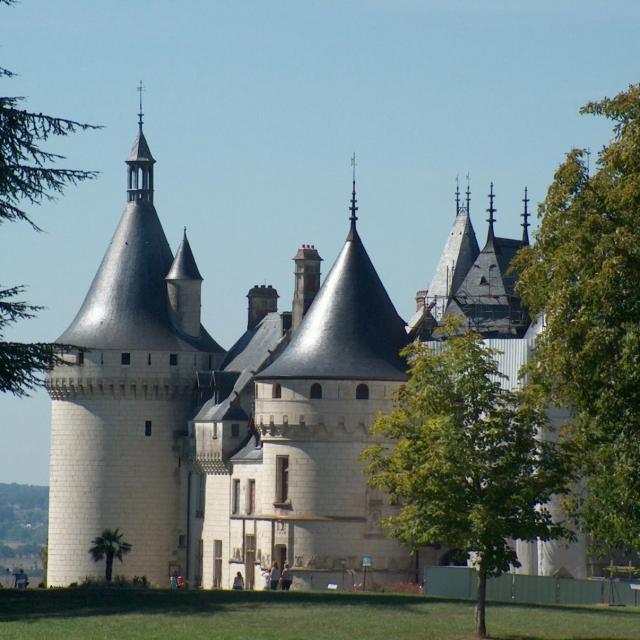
252 111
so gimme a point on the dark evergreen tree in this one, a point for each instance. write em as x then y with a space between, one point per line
28 176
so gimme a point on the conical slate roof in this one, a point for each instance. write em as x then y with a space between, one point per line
127 304
459 253
140 151
351 331
184 265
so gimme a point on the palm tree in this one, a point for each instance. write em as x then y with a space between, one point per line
109 545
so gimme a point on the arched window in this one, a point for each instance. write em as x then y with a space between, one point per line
362 392
316 391
276 391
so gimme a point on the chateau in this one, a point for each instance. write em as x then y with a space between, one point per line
213 462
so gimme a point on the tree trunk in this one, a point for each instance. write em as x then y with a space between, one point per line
109 567
481 627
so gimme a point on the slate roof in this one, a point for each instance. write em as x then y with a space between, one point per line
127 305
140 151
486 297
351 331
184 265
251 452
459 253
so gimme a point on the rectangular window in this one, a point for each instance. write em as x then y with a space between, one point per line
173 359
235 430
251 497
125 358
80 358
147 428
181 541
217 563
202 484
282 478
235 497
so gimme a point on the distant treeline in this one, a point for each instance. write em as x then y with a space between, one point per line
24 515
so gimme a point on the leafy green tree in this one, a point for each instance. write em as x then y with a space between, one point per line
28 176
463 458
583 274
109 545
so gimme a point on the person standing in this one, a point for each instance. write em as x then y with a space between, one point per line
286 578
238 582
274 576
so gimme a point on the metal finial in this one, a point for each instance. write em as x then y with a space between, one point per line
140 89
457 196
468 194
353 208
491 210
525 218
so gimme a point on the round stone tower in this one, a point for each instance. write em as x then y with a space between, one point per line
314 406
121 407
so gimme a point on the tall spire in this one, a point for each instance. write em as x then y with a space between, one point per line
140 164
491 211
140 114
457 196
468 194
353 208
525 218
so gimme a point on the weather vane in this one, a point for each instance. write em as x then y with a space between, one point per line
353 164
140 89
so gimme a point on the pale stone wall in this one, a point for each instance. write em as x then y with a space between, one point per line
106 473
216 527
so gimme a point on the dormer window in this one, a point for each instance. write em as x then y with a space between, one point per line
315 392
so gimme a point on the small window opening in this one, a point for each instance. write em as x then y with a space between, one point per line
125 358
276 391
101 357
316 391
80 358
235 430
282 478
181 541
147 428
362 392
235 498
148 358
251 497
483 280
173 359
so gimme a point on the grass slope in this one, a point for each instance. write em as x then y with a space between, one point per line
132 614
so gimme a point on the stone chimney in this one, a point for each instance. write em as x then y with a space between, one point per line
421 296
307 282
263 299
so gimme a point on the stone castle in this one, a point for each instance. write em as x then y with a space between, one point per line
211 461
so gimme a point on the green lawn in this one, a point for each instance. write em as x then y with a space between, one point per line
122 613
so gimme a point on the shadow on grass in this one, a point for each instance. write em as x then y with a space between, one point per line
68 603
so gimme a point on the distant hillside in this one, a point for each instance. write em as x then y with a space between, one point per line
24 514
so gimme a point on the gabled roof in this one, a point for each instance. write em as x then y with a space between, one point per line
127 304
351 331
459 253
184 265
140 151
487 297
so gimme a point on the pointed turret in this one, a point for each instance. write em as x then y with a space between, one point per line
127 306
486 297
184 284
459 252
352 330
